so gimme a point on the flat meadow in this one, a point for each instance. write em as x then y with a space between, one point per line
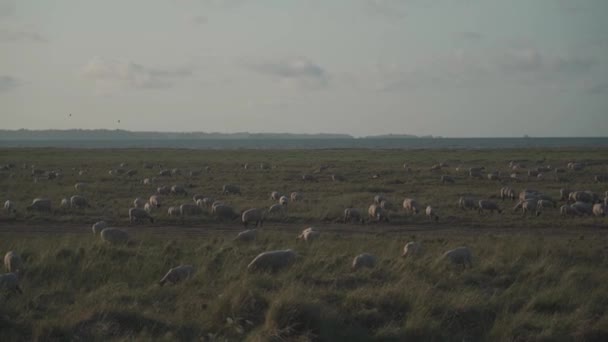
538 278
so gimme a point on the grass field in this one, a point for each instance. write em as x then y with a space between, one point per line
533 278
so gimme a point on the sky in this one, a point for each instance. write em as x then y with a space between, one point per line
452 68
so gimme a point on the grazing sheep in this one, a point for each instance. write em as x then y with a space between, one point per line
164 173
276 208
178 274
253 215
79 202
412 249
410 205
148 207
567 210
431 214
208 201
447 179
514 177
576 166
189 209
10 282
459 256
309 178
13 262
246 235
9 207
231 189
507 192
178 190
163 190
599 209
583 196
174 211
379 198
99 226
138 215
352 215
131 172
155 201
139 202
376 212
466 203
80 186
147 181
114 236
283 200
364 260
64 203
488 205
197 197
309 234
223 211
296 196
272 260
530 206
386 205
275 195
40 204
583 208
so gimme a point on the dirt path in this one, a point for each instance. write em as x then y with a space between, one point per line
383 229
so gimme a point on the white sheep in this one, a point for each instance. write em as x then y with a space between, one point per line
466 203
231 189
283 200
567 210
296 196
178 274
410 205
376 212
364 260
599 209
488 205
189 209
64 203
99 226
40 204
155 201
138 215
459 256
276 208
10 282
412 249
178 190
139 202
275 195
80 186
79 202
352 215
115 236
253 215
9 207
309 234
174 211
223 211
272 260
583 208
148 207
246 235
13 262
431 213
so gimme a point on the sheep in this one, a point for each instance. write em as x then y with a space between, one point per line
164 173
80 186
246 235
187 209
529 206
79 202
9 207
198 197
364 260
583 207
178 190
386 205
379 198
138 215
177 274
131 172
507 192
147 181
540 176
276 208
13 262
412 249
10 282
410 205
466 203
163 190
272 260
352 215
275 195
376 212
514 177
583 196
155 201
99 226
231 189
599 209
576 166
564 194
176 172
114 236
40 204
139 202
431 214
493 176
223 211
296 196
567 210
64 203
283 200
459 256
174 211
447 179
253 215
488 205
148 207
309 234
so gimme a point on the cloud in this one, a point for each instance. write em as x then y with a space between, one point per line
8 83
132 74
7 8
300 70
470 36
597 89
200 19
7 35
395 9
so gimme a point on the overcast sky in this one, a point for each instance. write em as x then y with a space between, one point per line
443 67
